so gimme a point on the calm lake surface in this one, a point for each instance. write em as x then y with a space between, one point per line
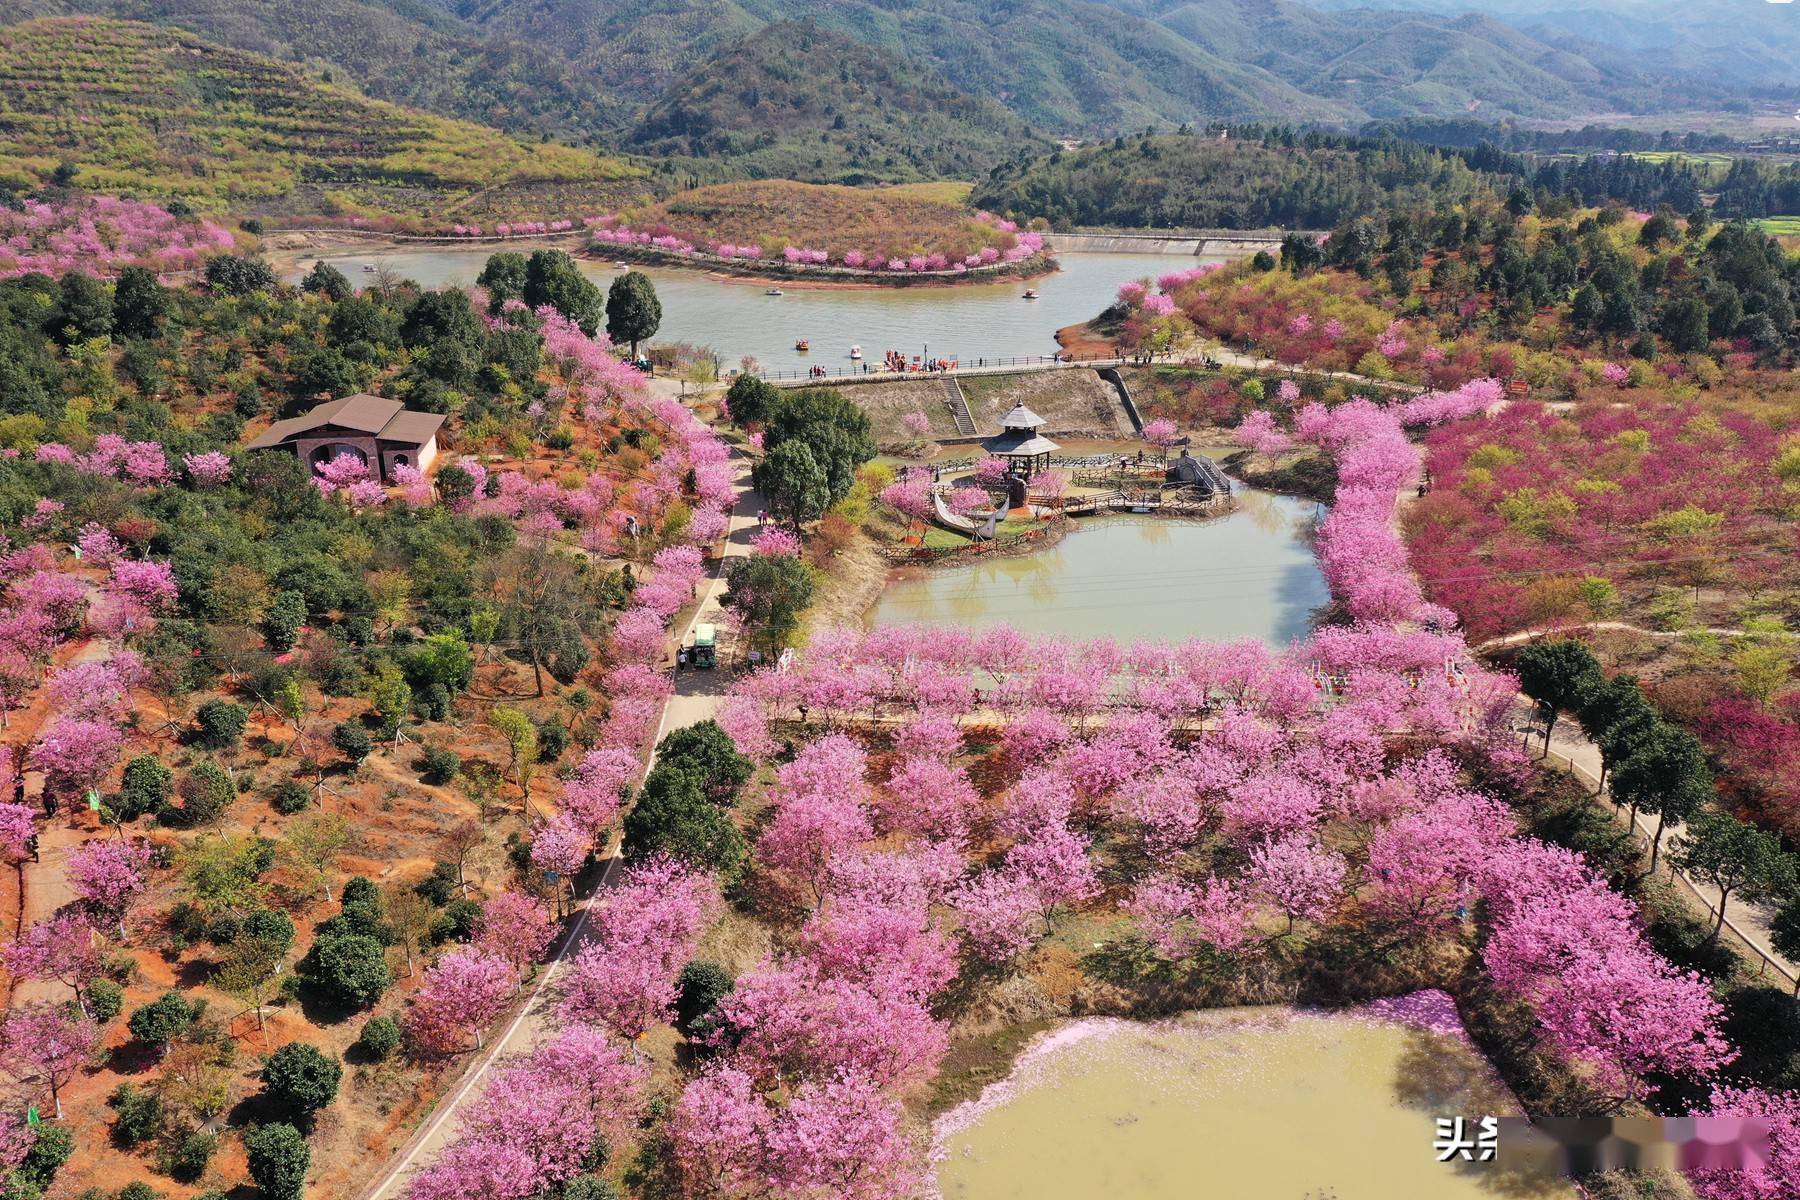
1249 575
965 322
1234 1106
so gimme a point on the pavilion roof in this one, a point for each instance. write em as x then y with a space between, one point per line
1022 418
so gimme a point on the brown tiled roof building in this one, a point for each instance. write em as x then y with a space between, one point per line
383 433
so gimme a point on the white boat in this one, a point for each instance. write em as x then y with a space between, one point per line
1031 294
370 268
621 265
774 292
856 352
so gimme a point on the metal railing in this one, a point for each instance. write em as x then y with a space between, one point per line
1748 944
967 366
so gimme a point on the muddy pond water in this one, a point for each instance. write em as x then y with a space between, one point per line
1234 1105
735 318
1251 574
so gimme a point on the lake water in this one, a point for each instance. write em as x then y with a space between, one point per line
1249 575
1259 1105
964 321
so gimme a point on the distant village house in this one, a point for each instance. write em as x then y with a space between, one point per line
384 434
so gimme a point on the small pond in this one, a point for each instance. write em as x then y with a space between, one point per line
1234 1105
735 318
1248 575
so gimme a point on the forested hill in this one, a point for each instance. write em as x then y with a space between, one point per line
800 102
1178 180
406 51
1086 66
118 106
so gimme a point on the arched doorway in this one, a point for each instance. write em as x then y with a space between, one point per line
326 453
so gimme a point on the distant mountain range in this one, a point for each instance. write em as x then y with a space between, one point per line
904 89
1749 41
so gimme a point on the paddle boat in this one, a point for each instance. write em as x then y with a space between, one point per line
774 292
621 265
371 268
856 352
1031 294
803 345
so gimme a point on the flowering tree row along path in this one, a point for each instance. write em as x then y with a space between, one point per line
694 700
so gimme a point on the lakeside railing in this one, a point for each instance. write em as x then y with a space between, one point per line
967 366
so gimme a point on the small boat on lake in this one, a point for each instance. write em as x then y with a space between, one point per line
803 345
370 268
856 352
621 265
774 292
1031 294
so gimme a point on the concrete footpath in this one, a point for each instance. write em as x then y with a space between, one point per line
696 698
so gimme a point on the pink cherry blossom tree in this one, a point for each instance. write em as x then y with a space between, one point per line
716 1134
59 948
515 927
42 1042
462 992
1297 876
108 877
841 1138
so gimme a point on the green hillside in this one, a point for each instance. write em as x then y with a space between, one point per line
798 102
142 110
1088 66
405 51
1179 181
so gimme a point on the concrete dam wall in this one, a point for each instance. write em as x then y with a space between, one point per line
1195 246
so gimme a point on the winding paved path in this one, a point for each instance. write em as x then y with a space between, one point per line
696 698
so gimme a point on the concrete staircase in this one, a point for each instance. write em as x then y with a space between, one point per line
959 406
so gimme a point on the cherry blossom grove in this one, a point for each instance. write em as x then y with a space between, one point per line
1330 774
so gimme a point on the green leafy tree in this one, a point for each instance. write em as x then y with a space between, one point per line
164 1019
442 659
700 986
503 276
751 399
352 741
797 486
673 816
144 788
220 724
140 304
633 313
552 278
1665 774
206 792
282 622
380 1038
768 593
707 752
1685 325
224 874
833 427
278 1159
1616 716
84 310
312 844
240 275
1737 858
438 317
326 280
299 1080
1556 674
349 969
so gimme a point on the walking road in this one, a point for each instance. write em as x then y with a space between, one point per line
696 698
